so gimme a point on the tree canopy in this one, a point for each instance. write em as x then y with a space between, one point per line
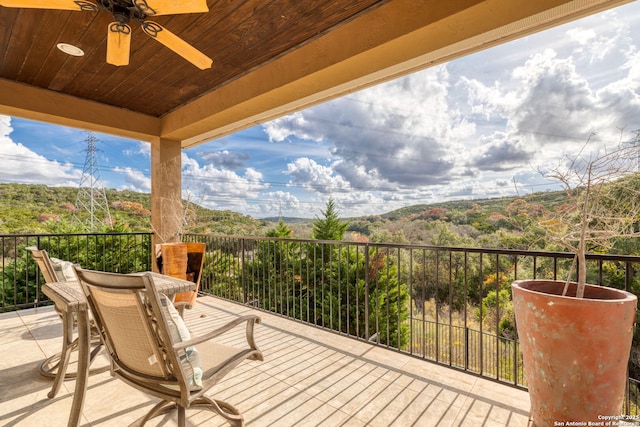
330 227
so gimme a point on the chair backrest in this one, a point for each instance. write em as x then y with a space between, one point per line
45 265
133 326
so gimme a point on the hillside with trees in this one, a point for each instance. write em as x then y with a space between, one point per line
29 208
507 222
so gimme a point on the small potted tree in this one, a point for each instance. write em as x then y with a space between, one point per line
576 337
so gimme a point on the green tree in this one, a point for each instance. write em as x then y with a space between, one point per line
272 277
281 230
497 308
222 274
19 283
362 296
104 251
331 227
439 276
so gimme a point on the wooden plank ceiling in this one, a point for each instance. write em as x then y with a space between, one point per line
238 35
269 58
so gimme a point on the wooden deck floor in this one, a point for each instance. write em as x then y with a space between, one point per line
309 377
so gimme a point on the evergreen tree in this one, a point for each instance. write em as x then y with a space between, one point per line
282 231
331 227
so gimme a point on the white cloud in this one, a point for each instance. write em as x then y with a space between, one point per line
401 134
551 114
225 159
312 176
582 35
294 124
441 134
221 188
135 179
280 203
140 148
22 165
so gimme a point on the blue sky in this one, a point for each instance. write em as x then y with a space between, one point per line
481 126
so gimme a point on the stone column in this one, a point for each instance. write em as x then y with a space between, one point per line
167 211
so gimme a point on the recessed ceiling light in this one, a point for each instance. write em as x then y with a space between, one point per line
70 49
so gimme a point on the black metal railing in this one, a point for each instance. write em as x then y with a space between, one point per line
448 305
113 252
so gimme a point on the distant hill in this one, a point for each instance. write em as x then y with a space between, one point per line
496 204
288 220
25 208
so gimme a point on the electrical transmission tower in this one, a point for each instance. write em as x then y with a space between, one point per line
91 196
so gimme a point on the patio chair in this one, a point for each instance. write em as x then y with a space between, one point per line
151 348
55 270
50 273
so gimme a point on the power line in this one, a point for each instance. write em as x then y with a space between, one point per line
240 180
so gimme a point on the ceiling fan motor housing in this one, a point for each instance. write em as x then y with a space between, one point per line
124 11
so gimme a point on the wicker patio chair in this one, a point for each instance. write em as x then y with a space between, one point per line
151 348
55 367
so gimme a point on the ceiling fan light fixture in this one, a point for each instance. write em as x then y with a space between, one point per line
70 49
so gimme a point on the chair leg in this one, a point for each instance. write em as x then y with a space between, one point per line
161 408
229 412
181 416
55 367
67 346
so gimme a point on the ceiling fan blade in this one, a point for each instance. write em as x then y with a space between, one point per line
51 4
171 7
177 45
118 44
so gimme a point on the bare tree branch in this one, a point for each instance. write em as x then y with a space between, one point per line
603 203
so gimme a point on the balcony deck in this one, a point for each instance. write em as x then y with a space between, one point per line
310 377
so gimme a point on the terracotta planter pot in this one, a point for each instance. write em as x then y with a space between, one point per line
575 350
195 262
184 261
172 259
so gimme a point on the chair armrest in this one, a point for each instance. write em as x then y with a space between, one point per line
251 320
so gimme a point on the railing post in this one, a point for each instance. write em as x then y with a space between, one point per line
244 275
366 291
466 347
497 283
515 360
436 298
481 335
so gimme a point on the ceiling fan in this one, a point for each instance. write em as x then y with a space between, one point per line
125 11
